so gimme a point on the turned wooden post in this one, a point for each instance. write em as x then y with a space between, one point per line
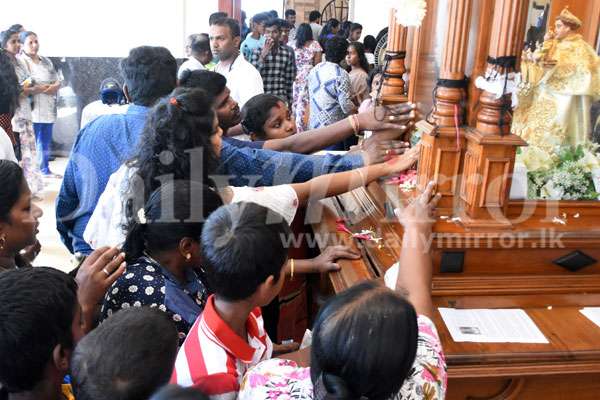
393 90
440 158
490 154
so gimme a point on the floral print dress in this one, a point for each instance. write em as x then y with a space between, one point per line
278 379
23 124
304 63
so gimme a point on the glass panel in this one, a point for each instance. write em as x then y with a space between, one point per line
555 108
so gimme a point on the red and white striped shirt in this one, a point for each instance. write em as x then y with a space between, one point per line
214 358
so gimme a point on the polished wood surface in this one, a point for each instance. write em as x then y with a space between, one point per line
393 88
502 269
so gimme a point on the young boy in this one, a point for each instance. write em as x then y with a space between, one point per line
244 259
128 357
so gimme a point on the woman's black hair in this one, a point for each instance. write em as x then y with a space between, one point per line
178 129
345 29
362 59
304 34
256 111
370 43
9 85
5 37
328 29
174 211
11 179
364 343
24 35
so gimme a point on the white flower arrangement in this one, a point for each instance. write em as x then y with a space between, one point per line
568 174
409 12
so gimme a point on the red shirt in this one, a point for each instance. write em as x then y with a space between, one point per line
214 358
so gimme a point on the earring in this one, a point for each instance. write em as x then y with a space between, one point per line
188 256
2 242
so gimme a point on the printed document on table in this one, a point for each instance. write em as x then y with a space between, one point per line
491 326
593 314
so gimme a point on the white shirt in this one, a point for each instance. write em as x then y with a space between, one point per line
7 152
97 108
243 80
192 64
43 72
316 28
105 227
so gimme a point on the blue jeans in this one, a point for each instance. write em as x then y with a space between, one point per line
43 138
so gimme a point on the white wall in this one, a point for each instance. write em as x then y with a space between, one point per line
253 7
371 14
109 28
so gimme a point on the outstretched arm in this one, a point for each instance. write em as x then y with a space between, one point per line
414 275
397 118
332 184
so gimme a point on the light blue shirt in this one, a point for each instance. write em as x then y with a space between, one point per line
249 44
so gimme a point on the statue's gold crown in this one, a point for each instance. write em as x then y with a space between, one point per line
567 16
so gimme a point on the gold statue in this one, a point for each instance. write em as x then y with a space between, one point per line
559 82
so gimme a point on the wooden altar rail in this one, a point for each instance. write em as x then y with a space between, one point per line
568 367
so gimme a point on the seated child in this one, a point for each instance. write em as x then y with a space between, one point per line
245 260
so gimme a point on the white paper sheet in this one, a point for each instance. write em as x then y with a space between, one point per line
491 326
592 313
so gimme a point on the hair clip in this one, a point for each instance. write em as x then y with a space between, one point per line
174 101
141 216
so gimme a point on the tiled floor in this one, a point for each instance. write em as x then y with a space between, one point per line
54 253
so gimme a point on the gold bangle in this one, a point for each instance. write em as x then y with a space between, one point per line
291 268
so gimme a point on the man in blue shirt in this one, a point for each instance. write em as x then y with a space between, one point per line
108 141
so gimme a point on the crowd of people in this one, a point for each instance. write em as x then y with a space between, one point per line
176 201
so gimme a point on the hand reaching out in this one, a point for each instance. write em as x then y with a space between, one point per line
405 161
419 213
325 262
395 117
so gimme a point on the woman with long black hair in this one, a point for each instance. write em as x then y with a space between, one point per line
359 72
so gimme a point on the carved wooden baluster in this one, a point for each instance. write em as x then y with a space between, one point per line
392 90
490 154
441 155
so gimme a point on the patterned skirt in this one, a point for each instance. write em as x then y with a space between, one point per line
29 162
